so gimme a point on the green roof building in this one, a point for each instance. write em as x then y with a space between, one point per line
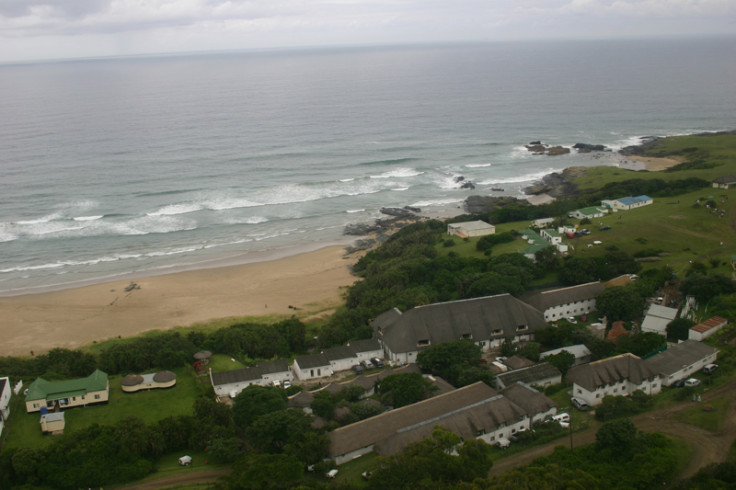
55 395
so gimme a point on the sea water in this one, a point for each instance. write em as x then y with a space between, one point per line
112 168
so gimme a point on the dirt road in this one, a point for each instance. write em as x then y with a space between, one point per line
709 447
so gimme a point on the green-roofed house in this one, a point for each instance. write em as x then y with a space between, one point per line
590 212
95 388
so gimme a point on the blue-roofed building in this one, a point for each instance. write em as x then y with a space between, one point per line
627 203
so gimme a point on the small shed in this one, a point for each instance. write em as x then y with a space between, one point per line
53 423
468 229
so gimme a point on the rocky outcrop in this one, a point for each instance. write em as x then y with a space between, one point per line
557 184
464 184
586 148
486 204
538 148
405 212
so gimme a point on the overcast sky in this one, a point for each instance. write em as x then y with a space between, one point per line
51 29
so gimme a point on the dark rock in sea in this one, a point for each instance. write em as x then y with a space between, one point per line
537 149
459 178
557 150
398 212
360 229
413 209
586 148
647 143
467 185
535 142
486 204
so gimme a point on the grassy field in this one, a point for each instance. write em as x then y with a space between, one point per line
150 406
708 416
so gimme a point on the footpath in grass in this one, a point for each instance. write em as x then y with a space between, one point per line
709 416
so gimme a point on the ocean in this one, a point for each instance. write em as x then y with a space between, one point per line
123 167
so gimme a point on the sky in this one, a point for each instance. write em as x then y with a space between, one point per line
61 29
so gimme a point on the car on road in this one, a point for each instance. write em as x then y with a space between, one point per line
690 382
708 369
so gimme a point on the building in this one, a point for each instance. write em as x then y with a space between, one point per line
486 321
263 374
5 394
616 376
560 303
469 229
474 411
725 182
535 242
627 203
137 382
542 222
55 395
52 422
540 375
366 349
552 236
589 212
705 329
537 405
681 360
657 318
580 351
312 366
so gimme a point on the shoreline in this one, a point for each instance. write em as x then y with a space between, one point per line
311 282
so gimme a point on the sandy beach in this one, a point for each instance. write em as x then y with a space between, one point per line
651 164
311 282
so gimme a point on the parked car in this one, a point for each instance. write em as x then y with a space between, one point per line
562 418
377 362
678 384
605 227
503 443
572 319
710 368
367 364
692 382
357 368
287 384
579 403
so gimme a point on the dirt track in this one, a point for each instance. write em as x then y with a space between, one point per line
709 447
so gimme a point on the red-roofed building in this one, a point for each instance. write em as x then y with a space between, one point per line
705 329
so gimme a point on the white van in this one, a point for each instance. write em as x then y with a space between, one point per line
563 419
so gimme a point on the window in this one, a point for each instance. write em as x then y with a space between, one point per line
497 331
521 327
423 342
466 336
97 397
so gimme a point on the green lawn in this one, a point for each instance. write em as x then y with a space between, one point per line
150 406
708 416
221 362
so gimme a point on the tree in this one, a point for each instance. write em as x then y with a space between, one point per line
562 361
620 303
679 329
642 343
439 358
255 401
704 287
274 430
256 471
617 436
404 389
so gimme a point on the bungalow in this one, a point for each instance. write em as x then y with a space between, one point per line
468 229
341 358
263 374
539 223
615 376
474 411
537 405
627 203
95 388
487 321
4 401
580 351
312 366
565 302
705 329
681 360
552 236
543 374
366 349
535 242
657 318
725 182
589 212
